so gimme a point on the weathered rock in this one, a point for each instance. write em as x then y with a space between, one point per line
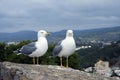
14 71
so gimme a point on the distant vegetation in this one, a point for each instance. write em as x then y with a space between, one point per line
80 59
109 53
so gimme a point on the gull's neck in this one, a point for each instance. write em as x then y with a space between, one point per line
41 38
69 36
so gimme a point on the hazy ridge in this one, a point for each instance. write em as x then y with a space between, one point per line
106 34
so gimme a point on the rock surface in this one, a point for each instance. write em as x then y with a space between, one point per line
14 71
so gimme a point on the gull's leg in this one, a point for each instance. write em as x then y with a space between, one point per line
67 62
37 60
61 62
33 60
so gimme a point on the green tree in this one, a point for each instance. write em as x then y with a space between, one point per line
74 61
2 51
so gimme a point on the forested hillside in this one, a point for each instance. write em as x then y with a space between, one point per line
80 59
109 53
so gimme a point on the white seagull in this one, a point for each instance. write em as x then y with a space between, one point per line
65 48
38 48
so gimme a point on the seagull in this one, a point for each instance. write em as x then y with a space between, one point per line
65 48
36 49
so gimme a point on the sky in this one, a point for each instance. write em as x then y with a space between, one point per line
56 15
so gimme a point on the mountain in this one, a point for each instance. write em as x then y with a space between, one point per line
101 34
18 36
106 34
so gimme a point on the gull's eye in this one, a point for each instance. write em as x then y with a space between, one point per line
42 32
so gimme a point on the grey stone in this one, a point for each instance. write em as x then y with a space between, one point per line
15 71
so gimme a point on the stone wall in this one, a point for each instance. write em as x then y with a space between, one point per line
14 71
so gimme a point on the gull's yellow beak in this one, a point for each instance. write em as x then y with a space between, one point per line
48 33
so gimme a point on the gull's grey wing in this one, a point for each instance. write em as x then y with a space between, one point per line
28 49
57 49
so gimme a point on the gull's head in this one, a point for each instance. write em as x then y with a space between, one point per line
42 33
69 33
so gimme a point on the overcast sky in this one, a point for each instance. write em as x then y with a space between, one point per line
55 15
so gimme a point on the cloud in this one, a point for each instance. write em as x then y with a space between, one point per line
57 15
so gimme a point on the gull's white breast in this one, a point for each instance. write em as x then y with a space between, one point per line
42 47
68 47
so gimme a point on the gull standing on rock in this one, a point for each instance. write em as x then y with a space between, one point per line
65 48
36 49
